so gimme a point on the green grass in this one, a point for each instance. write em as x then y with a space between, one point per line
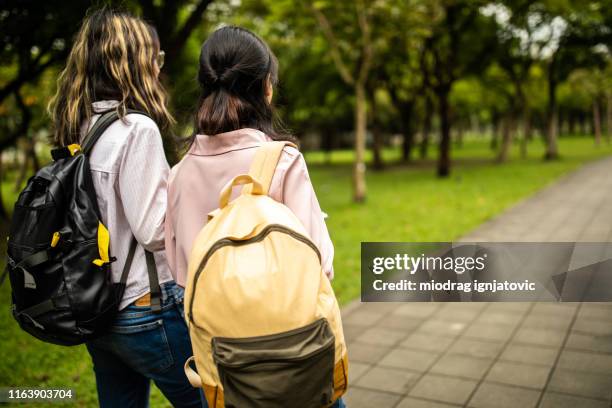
409 203
405 203
27 362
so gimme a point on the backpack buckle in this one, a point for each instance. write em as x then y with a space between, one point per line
60 153
65 152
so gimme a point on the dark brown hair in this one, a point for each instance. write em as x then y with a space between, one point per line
235 67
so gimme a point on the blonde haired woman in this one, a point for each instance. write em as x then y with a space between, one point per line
114 65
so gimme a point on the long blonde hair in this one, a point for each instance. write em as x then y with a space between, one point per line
113 57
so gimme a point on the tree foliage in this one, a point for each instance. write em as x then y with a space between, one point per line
361 73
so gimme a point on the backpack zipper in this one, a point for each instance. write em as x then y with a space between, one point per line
234 242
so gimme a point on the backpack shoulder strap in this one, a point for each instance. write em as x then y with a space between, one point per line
100 126
264 164
92 137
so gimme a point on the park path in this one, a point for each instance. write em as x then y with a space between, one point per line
495 355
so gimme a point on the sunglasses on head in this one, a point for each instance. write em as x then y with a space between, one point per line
161 57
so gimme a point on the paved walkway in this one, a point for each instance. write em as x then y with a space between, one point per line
495 355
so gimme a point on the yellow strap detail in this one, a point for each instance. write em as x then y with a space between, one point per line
74 148
213 214
240 179
193 377
264 164
103 244
55 239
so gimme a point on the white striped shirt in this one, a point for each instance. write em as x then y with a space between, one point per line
130 174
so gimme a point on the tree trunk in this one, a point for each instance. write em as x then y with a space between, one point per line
32 153
561 123
3 213
504 150
23 171
582 122
609 117
525 138
494 133
327 143
377 134
572 123
359 182
407 146
526 128
407 131
377 145
552 151
444 163
426 126
597 122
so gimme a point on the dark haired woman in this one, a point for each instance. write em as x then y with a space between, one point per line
235 115
114 65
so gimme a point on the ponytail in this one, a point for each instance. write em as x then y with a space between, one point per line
219 112
236 69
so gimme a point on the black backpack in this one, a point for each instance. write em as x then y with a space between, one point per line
58 251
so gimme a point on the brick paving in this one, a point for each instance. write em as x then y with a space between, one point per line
495 355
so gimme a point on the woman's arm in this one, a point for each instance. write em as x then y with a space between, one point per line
298 194
170 237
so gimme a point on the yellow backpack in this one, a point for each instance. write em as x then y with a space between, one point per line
264 322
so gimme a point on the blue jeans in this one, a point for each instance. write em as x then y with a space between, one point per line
339 404
142 346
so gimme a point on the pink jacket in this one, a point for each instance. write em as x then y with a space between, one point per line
195 183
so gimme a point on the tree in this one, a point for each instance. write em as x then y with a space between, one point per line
596 85
30 52
175 21
462 42
576 29
27 53
398 66
428 99
314 104
517 33
355 74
